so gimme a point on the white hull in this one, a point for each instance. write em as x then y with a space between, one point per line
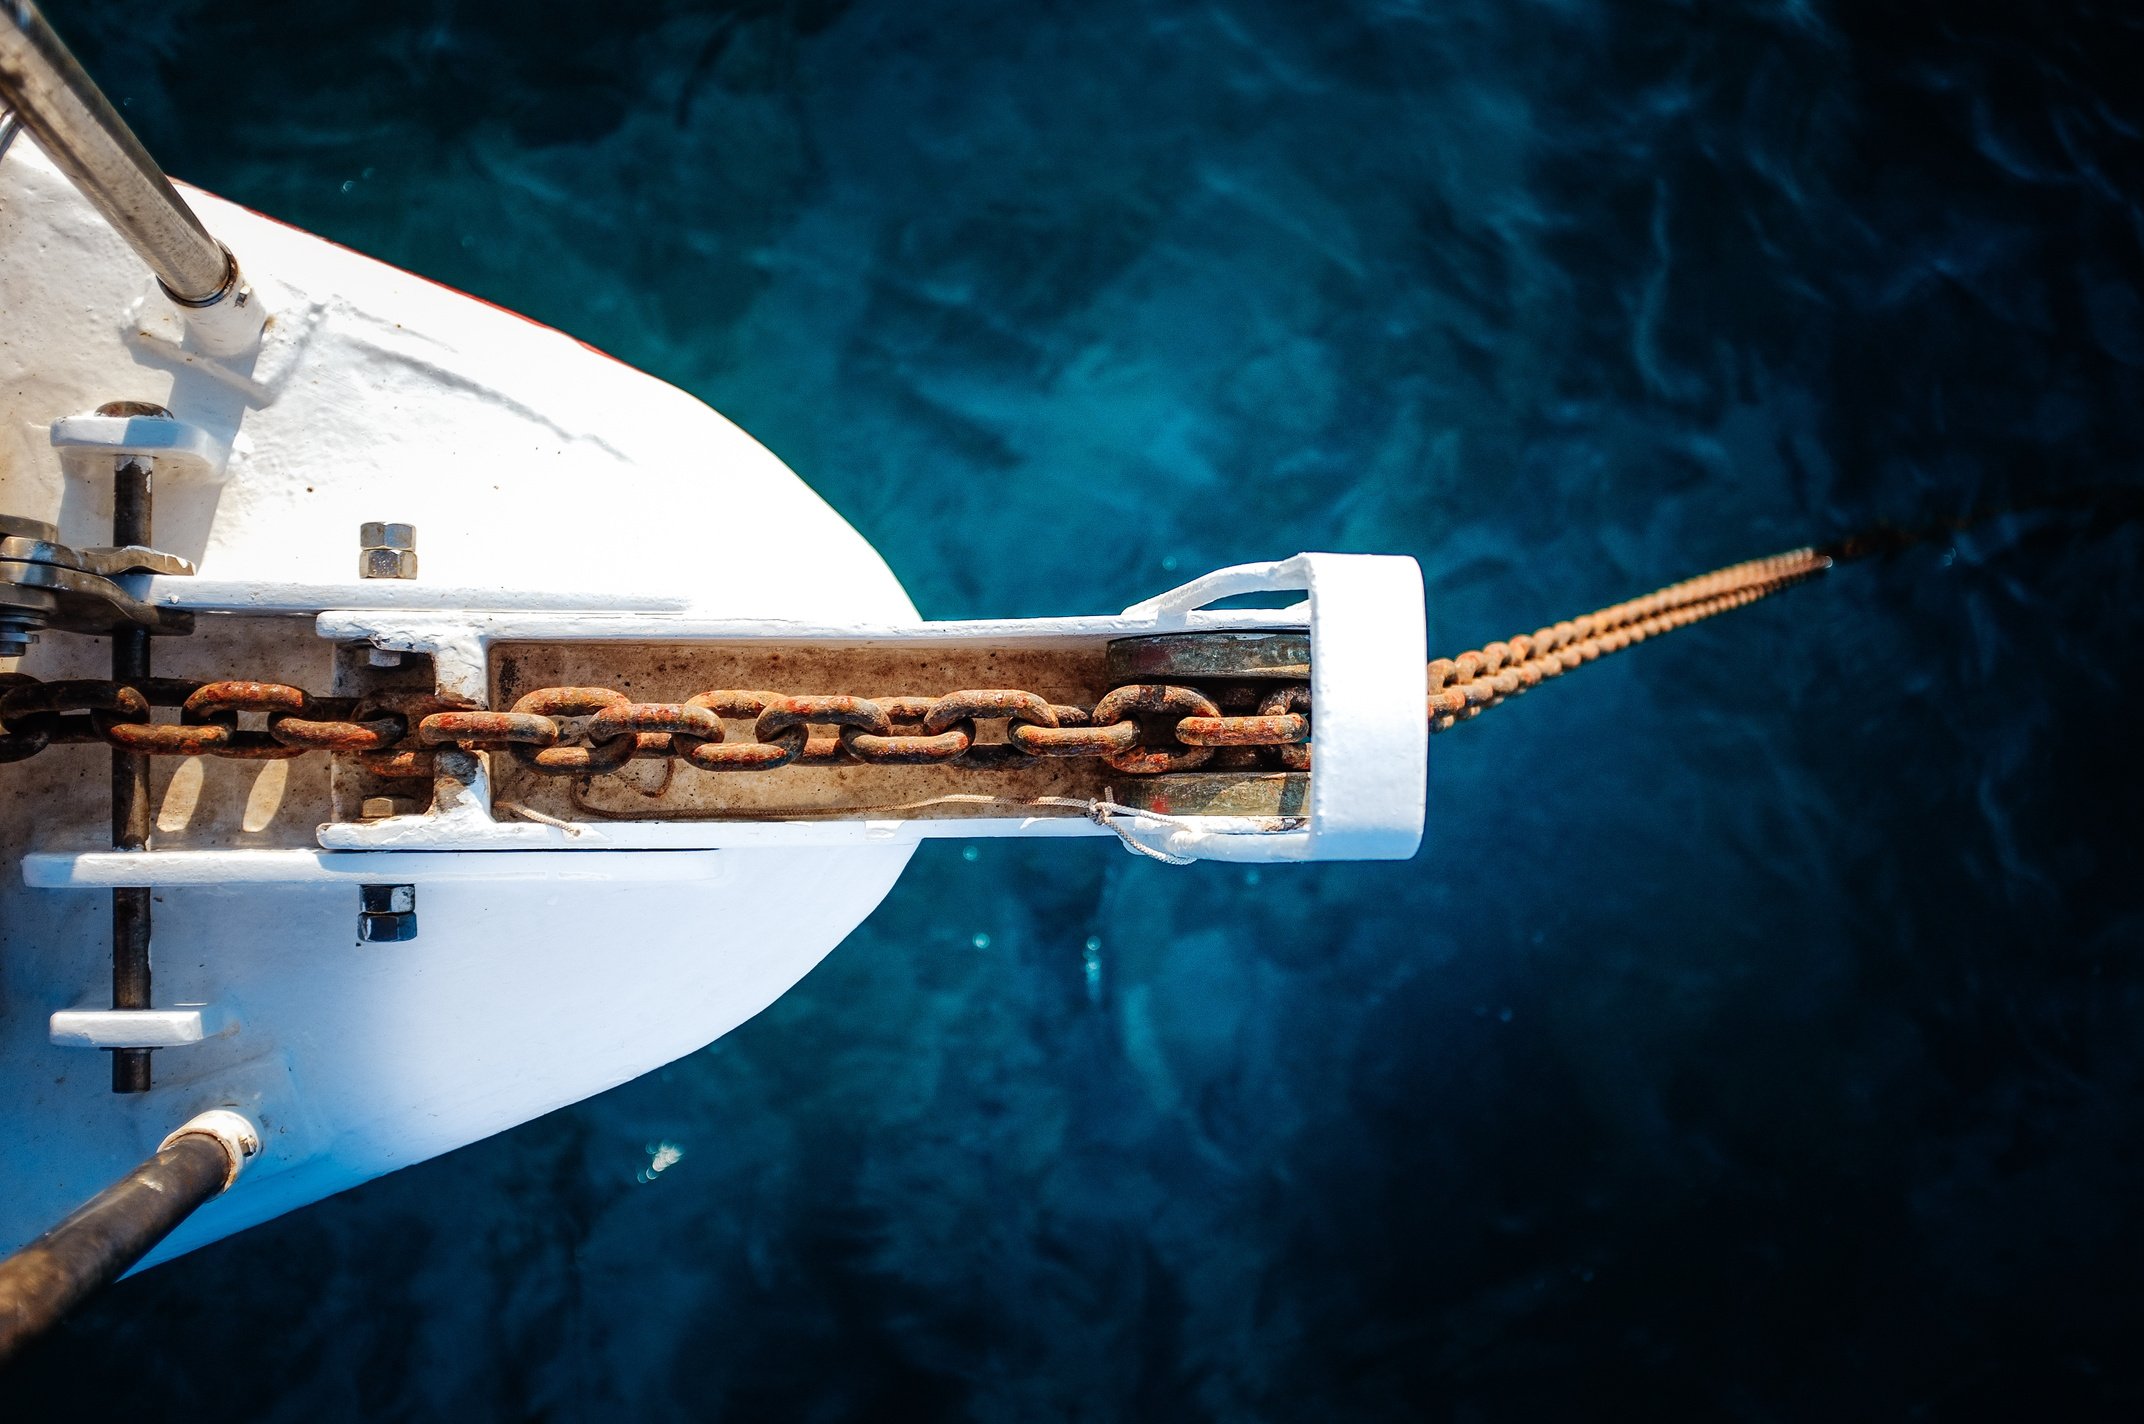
538 472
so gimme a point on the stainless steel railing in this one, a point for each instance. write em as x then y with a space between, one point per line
62 108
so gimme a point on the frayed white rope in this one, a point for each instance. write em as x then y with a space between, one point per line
1104 812
540 818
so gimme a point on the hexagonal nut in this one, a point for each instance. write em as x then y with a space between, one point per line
386 899
387 563
386 929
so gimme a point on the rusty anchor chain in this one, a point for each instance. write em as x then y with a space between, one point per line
575 731
1464 687
1140 729
38 714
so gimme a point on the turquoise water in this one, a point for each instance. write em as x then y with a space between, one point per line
1757 1036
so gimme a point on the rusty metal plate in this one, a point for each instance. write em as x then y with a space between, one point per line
1278 795
1283 656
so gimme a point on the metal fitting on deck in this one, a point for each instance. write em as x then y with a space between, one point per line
86 139
233 1132
386 550
387 914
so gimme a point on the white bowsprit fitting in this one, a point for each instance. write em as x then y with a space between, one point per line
356 970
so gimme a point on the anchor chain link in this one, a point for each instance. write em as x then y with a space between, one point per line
1142 729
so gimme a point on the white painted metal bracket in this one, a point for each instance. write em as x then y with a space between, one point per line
141 1028
1368 660
253 597
178 447
103 869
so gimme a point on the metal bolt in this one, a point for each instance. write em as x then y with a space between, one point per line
386 550
387 914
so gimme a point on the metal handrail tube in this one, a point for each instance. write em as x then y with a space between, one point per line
84 136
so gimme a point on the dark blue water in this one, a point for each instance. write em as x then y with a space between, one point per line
1760 1035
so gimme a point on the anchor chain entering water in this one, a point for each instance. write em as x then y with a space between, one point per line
1141 729
1465 686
